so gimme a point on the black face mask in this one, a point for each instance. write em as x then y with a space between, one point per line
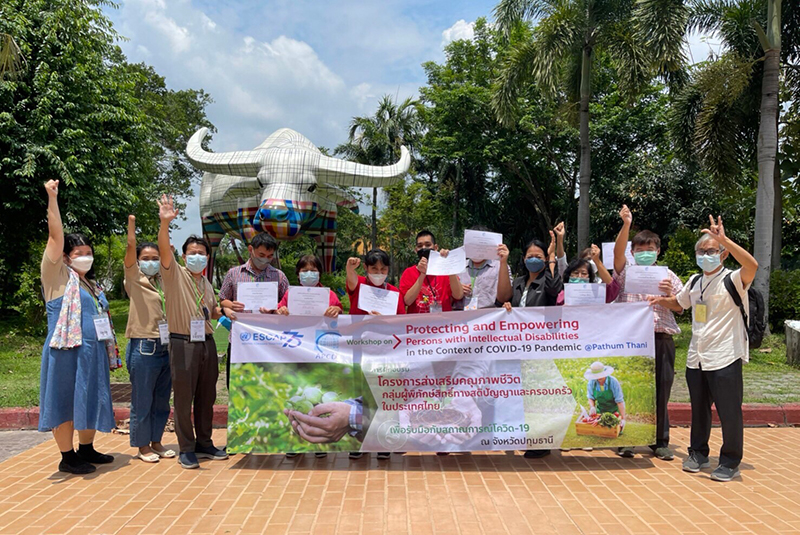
424 253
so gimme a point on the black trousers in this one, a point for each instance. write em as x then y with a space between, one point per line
723 388
228 369
194 371
665 376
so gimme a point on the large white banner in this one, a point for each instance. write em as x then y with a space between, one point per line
532 378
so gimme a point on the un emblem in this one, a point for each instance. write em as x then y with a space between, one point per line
245 337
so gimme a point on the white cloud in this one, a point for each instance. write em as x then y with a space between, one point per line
460 30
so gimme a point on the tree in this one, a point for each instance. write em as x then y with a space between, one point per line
561 56
11 59
376 140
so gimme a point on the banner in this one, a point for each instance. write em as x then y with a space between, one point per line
532 378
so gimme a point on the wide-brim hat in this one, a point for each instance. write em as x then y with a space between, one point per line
597 371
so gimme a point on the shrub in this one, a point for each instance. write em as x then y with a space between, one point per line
784 303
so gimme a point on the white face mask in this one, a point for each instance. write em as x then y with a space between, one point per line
82 264
377 280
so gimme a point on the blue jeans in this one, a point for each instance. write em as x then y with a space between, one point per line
151 385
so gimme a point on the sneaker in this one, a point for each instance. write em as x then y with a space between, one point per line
723 473
90 455
665 454
320 454
291 455
81 468
210 452
356 455
188 460
625 452
383 455
694 462
536 454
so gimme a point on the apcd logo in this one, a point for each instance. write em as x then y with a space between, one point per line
245 337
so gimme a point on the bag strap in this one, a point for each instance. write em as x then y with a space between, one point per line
695 279
737 300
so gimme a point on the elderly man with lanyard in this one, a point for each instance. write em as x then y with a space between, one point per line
487 289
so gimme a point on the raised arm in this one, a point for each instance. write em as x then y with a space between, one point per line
130 250
746 260
166 213
602 272
560 232
504 290
622 239
352 275
55 240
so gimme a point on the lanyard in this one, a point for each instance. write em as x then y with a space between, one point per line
88 288
703 289
157 286
431 288
200 298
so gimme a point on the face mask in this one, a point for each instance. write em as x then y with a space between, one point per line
82 264
258 262
377 280
196 263
425 252
309 278
578 280
149 267
645 258
534 264
708 262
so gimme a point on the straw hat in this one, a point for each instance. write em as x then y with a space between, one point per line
597 371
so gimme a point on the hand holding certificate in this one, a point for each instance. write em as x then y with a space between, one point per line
308 300
584 294
608 255
384 302
644 279
256 295
453 264
480 245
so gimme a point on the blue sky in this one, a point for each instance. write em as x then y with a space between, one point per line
310 65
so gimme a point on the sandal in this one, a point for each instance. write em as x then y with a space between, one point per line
147 457
164 454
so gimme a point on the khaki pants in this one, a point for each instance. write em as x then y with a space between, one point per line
195 370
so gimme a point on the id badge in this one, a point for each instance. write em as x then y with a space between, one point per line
700 312
102 327
163 332
436 308
198 330
472 304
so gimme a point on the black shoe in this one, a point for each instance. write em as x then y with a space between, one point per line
188 459
626 452
355 455
80 468
383 455
87 453
210 452
536 454
320 454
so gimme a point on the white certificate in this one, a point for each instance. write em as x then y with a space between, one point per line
482 245
255 295
584 293
452 265
608 254
644 279
308 300
371 299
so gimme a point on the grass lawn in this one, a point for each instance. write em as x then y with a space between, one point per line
767 378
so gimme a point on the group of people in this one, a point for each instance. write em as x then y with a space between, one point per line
171 347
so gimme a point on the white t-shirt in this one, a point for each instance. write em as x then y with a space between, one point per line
722 339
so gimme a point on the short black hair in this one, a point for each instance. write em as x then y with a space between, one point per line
577 264
375 256
264 239
534 242
480 228
196 239
76 239
306 260
145 245
646 237
423 233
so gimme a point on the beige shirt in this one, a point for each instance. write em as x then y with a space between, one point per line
181 291
146 306
722 339
54 277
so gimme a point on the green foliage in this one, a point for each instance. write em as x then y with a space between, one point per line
785 301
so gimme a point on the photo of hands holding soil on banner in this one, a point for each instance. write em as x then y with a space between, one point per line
480 380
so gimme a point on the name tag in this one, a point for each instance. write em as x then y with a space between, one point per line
436 308
700 312
163 332
472 304
198 330
102 327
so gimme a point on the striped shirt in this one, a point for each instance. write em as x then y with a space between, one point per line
247 273
664 319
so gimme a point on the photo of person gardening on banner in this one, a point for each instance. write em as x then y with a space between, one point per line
605 394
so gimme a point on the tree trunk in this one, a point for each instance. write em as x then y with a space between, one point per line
374 237
777 219
765 194
586 156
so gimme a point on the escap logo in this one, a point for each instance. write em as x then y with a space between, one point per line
245 337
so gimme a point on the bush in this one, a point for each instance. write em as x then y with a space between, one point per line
784 303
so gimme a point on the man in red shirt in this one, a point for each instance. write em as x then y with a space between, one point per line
422 293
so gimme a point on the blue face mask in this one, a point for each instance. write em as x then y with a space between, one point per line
309 278
578 280
645 258
534 264
708 262
149 267
196 263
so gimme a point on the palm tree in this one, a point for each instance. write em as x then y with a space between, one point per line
376 140
561 54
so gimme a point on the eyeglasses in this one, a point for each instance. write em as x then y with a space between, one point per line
709 252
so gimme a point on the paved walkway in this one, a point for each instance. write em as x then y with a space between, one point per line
576 492
15 442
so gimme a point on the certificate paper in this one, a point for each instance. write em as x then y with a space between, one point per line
452 265
371 299
608 255
482 245
258 294
308 301
644 279
584 293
